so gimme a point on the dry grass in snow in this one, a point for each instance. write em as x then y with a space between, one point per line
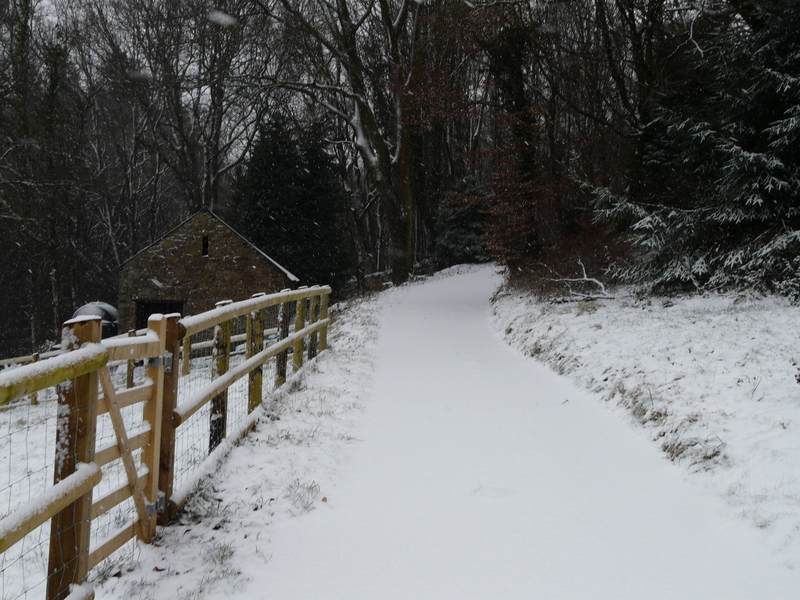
713 377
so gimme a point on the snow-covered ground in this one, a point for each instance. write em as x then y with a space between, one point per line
222 540
27 455
423 458
710 377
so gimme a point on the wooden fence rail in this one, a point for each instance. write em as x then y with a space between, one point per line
81 371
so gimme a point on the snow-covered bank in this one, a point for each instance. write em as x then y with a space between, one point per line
278 472
711 377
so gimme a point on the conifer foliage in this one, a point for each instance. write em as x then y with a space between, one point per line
721 167
290 204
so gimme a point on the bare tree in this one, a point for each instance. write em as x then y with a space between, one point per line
358 61
197 63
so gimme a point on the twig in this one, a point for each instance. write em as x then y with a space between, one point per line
579 296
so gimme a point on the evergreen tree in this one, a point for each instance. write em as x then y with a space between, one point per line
460 225
289 202
722 161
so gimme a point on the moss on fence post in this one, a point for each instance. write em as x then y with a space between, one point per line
313 317
75 433
255 343
323 314
299 324
284 318
218 425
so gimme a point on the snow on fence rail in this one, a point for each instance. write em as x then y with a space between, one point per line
105 468
29 358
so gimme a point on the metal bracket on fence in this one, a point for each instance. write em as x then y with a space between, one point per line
160 361
160 506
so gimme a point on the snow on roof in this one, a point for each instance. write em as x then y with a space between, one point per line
269 258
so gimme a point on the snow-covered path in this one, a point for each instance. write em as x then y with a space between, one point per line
481 474
424 459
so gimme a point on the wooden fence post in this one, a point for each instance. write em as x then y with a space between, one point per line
187 355
166 469
313 316
219 366
75 436
255 343
299 323
161 371
35 395
130 366
282 358
323 314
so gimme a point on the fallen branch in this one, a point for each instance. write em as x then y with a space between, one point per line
601 294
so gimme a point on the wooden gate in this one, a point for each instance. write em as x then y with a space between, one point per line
81 370
69 504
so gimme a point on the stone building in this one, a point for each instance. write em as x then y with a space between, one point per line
190 269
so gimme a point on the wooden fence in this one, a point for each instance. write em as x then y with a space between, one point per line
81 372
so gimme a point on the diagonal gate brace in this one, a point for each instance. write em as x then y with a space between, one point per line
137 493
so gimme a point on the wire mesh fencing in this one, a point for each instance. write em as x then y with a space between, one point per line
208 354
157 405
46 486
27 443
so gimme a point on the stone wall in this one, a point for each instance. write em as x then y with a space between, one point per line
178 268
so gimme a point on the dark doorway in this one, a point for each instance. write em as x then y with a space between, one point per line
145 308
